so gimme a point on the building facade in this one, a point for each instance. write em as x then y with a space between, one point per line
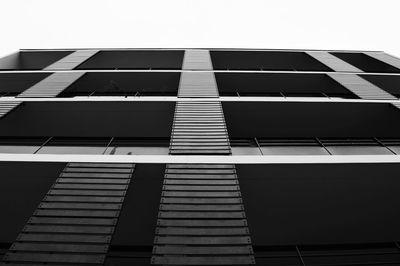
199 157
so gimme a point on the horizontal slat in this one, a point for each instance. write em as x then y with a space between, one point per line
97 170
202 207
202 231
87 192
200 188
102 165
196 240
202 223
75 205
190 250
201 215
201 171
96 175
83 199
64 238
69 229
205 194
72 221
76 213
199 182
200 176
202 200
93 180
90 186
54 247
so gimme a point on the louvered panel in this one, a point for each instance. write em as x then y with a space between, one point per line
197 60
197 85
52 85
384 57
189 132
72 60
74 228
6 107
397 105
201 219
361 87
332 61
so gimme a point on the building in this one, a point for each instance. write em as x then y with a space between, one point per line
199 157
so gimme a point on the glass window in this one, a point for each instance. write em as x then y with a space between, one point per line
18 149
358 150
245 151
137 150
395 149
293 150
127 146
20 145
75 146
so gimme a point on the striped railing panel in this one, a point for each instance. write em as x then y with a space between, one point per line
361 87
199 128
197 60
386 58
52 85
75 221
332 61
201 219
7 106
72 60
198 85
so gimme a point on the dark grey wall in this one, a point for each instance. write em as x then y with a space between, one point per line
307 120
321 203
90 119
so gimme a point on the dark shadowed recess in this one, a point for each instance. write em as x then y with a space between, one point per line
89 119
265 60
22 187
133 240
139 59
320 204
308 120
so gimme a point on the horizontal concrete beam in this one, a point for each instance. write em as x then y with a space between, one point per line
281 159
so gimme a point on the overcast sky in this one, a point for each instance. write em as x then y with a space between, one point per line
311 24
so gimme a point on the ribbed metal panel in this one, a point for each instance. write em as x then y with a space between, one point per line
332 61
361 87
201 220
6 107
198 85
384 57
197 60
75 222
52 85
199 128
72 60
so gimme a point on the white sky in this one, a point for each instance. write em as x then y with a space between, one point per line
311 24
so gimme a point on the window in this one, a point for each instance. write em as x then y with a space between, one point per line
365 62
245 147
354 146
135 59
315 146
75 146
125 84
265 60
291 147
125 146
20 145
